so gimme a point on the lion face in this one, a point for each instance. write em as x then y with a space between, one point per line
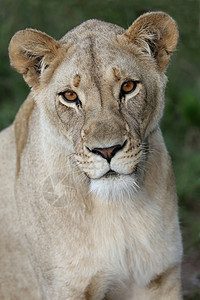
107 103
103 94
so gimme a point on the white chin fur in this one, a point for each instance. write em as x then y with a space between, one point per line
111 188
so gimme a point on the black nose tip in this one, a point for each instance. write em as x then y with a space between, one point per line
109 152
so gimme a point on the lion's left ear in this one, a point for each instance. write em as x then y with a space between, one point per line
155 33
31 50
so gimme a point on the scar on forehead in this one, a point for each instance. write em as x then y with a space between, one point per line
76 81
117 74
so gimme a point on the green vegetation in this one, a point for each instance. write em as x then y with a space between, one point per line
181 122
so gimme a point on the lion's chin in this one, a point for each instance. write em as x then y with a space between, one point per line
114 187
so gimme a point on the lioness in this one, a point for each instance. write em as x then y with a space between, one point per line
88 200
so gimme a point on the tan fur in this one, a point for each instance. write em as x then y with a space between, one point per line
70 228
20 126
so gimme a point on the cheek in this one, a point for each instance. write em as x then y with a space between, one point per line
140 109
71 120
65 114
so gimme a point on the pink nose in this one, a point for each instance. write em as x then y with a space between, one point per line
109 152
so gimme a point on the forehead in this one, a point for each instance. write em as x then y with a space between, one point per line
97 56
91 39
95 49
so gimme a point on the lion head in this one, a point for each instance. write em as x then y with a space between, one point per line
100 92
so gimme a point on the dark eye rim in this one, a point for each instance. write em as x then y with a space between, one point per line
69 101
123 93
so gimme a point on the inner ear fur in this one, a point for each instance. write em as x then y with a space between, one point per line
28 50
156 34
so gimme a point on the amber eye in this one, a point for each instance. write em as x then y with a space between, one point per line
128 87
69 96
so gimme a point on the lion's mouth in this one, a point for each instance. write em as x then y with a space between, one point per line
111 173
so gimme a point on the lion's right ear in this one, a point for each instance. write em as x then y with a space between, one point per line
156 34
30 51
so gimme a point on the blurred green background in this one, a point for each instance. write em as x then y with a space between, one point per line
181 123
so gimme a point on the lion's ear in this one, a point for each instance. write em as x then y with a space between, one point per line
156 34
28 51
